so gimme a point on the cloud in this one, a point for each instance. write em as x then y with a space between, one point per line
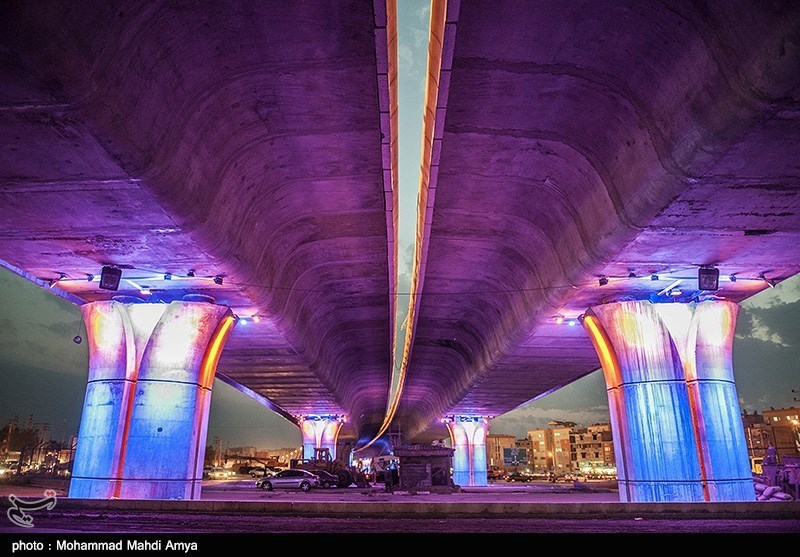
787 292
9 327
424 13
518 423
760 331
45 342
583 401
405 57
420 38
413 33
772 316
407 256
765 372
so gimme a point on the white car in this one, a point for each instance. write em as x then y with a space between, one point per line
220 474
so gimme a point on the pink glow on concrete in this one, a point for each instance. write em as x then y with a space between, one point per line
255 155
320 432
468 437
555 156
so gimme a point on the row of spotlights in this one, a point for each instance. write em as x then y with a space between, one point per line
111 276
561 319
707 278
246 320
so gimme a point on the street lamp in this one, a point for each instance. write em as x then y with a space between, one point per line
796 433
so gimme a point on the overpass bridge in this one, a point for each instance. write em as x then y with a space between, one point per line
595 156
245 152
581 163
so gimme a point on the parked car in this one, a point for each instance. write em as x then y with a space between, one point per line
220 473
494 473
259 472
264 471
290 479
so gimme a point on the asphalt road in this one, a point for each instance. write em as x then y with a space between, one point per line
63 520
202 523
245 490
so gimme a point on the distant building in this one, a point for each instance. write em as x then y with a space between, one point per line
278 457
788 417
592 450
243 451
525 449
774 428
526 444
562 461
752 419
494 448
538 459
285 455
785 424
264 454
758 438
550 448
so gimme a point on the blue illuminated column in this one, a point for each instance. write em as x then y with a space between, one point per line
672 399
715 403
468 437
116 337
145 415
320 432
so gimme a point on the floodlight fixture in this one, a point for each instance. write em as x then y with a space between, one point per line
708 278
110 277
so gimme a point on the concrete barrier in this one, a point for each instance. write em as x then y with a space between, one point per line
588 510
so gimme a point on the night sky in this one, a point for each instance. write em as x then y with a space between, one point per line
42 372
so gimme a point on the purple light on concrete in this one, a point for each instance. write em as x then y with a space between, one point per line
113 368
144 423
674 410
320 432
468 437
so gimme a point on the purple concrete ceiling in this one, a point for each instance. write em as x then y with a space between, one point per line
246 139
573 140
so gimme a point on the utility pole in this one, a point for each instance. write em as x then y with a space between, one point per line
12 423
7 439
217 451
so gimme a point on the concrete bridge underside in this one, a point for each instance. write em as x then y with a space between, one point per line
251 141
565 143
570 141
